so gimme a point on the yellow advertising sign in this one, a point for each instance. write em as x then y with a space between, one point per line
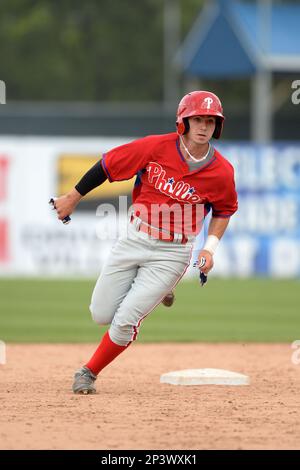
71 168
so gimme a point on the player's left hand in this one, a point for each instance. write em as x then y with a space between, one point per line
209 261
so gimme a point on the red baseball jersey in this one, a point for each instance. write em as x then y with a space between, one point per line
167 194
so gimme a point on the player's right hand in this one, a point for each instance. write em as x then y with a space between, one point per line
66 204
209 261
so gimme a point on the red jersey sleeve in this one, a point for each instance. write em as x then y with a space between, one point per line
123 162
225 202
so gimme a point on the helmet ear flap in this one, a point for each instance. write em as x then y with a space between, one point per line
180 128
183 127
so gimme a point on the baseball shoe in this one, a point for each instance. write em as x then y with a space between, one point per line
168 300
84 381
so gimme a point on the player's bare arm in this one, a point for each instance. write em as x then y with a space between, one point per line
216 230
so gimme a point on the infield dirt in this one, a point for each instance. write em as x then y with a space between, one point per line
132 410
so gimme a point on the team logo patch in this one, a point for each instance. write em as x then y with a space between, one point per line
208 101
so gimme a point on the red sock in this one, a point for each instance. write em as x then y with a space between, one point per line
104 354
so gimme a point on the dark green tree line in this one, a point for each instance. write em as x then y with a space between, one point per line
92 50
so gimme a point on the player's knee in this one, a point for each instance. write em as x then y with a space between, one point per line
122 333
99 315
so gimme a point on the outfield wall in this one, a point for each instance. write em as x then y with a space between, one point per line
263 237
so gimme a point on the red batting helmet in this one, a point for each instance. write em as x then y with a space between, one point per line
199 103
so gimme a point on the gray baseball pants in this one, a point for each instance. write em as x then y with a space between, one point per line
139 272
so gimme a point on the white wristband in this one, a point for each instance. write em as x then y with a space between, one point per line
211 244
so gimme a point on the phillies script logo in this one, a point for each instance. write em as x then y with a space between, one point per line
179 190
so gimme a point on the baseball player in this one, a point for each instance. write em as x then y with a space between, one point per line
180 178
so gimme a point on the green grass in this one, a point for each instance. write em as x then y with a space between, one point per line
224 310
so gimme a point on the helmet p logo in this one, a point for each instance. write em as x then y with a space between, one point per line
208 102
